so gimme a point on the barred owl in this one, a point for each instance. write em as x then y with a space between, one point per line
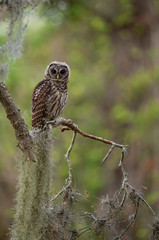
50 95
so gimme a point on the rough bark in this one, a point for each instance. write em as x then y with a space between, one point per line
20 127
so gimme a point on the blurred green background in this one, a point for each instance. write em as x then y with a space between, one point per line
112 49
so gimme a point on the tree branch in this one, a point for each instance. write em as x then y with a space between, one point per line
70 125
20 128
68 159
133 217
114 206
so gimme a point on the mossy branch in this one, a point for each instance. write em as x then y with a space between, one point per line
15 118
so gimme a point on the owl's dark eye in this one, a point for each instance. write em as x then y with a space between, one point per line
53 71
63 71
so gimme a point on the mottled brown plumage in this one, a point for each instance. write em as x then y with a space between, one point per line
50 95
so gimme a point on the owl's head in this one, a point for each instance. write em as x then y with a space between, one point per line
58 71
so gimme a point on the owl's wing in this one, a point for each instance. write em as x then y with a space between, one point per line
39 99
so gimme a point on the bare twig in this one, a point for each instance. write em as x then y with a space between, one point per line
81 229
123 200
108 153
70 168
143 200
127 187
20 128
70 125
131 221
125 182
87 229
58 194
68 158
121 164
74 127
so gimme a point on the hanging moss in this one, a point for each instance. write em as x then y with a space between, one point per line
15 15
33 191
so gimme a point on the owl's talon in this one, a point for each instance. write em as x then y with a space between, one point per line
50 126
60 119
69 121
53 122
76 126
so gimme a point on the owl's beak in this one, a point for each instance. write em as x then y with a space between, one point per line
57 76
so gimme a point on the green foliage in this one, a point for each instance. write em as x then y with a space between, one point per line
125 12
98 24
